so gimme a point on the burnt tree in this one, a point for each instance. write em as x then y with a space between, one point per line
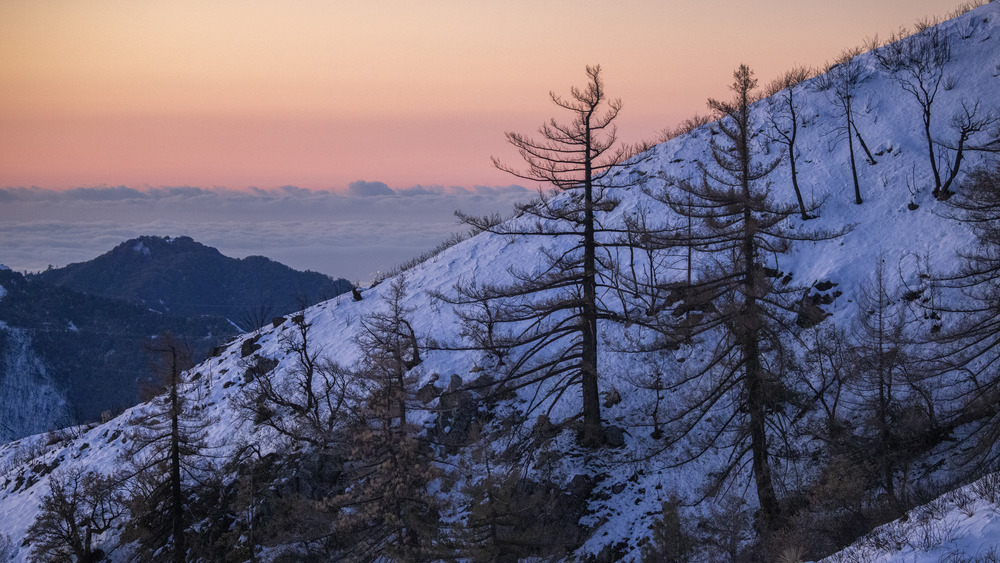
545 320
917 64
841 83
784 120
739 393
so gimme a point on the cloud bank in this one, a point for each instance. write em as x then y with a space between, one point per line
370 228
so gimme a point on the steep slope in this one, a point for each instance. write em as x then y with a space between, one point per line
32 402
961 525
624 488
180 276
70 356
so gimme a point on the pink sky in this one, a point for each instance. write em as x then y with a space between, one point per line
318 94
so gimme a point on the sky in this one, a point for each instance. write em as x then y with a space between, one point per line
226 96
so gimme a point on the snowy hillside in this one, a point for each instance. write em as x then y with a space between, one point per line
623 489
962 525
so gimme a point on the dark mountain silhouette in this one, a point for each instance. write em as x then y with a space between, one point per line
89 348
180 276
80 332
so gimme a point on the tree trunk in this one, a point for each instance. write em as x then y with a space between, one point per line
176 496
791 154
588 364
854 166
930 152
749 340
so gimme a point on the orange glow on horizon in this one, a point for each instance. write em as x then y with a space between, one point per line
318 94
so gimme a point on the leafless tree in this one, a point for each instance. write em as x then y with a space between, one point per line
165 456
969 123
303 402
740 234
888 382
970 329
77 507
388 509
557 307
842 82
784 121
917 63
256 317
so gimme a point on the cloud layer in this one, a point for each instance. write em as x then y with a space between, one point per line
354 235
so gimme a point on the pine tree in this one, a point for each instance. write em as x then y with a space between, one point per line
888 382
969 332
387 508
165 455
544 322
736 296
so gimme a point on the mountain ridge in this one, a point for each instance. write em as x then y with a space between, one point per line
77 333
181 276
625 490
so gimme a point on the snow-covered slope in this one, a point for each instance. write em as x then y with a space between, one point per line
32 402
962 525
631 486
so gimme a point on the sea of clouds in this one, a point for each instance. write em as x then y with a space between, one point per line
353 234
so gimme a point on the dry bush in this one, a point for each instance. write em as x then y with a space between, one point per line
844 57
789 79
926 23
684 127
967 7
988 488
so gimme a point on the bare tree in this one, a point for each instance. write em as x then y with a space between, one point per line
78 506
970 122
165 457
740 235
917 63
390 343
829 373
256 317
785 121
388 509
842 82
887 382
304 402
970 327
557 307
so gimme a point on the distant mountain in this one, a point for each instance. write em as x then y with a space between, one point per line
72 339
66 356
179 276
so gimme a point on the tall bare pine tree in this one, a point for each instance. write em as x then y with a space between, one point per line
740 391
557 306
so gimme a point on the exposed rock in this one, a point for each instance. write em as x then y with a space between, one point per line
614 436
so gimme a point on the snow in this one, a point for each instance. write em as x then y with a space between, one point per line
141 248
32 403
884 228
962 525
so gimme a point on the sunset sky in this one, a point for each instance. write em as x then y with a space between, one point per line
341 136
321 94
